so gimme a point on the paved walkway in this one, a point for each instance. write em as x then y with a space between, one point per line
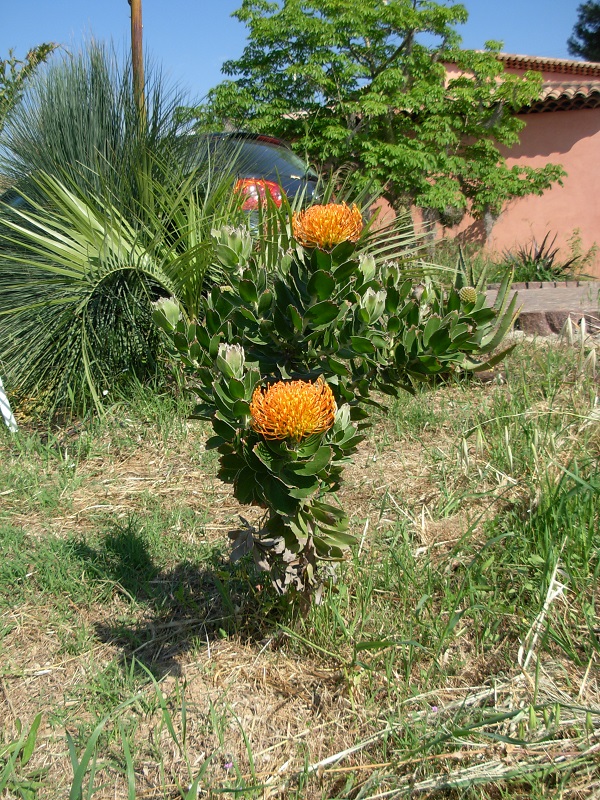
546 306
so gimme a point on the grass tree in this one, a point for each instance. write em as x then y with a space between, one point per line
106 215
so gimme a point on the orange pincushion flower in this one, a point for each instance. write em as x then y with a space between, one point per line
292 409
324 226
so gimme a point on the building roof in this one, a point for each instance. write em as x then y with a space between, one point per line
566 97
577 83
564 66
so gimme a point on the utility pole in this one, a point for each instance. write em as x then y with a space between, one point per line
137 57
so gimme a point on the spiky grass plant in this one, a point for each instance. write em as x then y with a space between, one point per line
108 213
79 120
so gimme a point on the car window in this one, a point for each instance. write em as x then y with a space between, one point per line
269 161
251 158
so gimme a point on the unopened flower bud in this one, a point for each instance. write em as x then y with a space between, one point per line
366 265
166 312
342 417
231 360
233 245
467 294
374 303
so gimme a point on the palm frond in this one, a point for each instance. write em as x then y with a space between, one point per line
113 214
77 284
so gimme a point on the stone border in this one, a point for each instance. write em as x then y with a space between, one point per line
546 305
545 323
545 285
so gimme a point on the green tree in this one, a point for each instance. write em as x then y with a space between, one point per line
14 74
364 86
585 39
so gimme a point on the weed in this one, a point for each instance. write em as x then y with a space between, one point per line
533 262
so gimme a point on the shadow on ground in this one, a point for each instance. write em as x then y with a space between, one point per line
186 607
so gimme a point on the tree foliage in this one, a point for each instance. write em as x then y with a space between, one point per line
14 74
585 39
364 85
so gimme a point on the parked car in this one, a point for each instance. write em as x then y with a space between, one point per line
262 164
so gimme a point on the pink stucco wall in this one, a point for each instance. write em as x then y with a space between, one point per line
569 138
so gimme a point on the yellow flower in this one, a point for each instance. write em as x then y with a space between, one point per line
292 410
324 226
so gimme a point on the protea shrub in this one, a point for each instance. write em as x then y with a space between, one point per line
312 325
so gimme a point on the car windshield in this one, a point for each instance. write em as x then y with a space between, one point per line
269 161
253 157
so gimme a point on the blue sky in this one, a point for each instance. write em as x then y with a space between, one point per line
192 38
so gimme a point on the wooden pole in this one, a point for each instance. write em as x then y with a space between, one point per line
137 56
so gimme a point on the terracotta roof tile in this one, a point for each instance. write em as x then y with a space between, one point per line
563 66
566 97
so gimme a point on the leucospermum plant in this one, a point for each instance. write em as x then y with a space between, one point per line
282 447
312 320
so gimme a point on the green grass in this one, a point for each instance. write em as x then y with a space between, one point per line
455 653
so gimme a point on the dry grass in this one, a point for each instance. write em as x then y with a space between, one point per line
293 713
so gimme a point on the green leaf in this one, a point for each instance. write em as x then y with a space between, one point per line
227 256
328 550
440 341
213 442
483 316
223 428
322 313
373 644
241 408
357 413
336 536
232 462
314 465
266 456
242 316
321 260
431 326
213 321
330 515
352 442
247 290
337 367
299 527
277 495
342 252
302 492
321 284
264 303
295 318
378 340
29 745
213 348
309 446
458 331
492 340
222 400
345 271
362 345
393 325
245 485
236 388
392 299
